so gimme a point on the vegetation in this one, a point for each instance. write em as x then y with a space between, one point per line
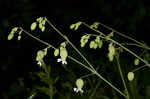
105 72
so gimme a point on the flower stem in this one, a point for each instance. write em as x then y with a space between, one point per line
121 74
101 77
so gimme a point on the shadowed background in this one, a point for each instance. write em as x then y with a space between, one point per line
17 58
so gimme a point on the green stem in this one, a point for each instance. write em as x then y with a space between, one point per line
125 36
89 68
126 49
121 74
69 42
139 68
136 45
103 36
101 77
87 75
37 39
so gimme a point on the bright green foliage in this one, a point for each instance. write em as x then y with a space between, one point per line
84 40
79 83
13 31
40 55
75 26
33 26
130 76
56 52
94 25
111 53
136 61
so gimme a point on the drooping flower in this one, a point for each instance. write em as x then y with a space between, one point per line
79 84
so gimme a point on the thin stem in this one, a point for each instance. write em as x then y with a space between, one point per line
87 75
125 36
103 36
139 68
89 68
37 39
101 77
115 42
136 45
121 74
69 42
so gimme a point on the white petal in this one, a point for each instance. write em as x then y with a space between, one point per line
80 90
75 89
39 63
64 62
59 60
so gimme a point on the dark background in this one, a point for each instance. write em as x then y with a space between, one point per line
17 58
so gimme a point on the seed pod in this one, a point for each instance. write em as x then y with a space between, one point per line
10 36
79 83
130 76
56 52
19 37
33 26
136 61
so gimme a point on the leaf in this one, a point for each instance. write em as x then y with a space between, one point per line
56 52
33 26
130 76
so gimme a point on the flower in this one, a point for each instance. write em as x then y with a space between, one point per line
63 61
40 63
79 84
78 90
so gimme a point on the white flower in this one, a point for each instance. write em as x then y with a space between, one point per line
79 84
78 90
40 63
63 61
